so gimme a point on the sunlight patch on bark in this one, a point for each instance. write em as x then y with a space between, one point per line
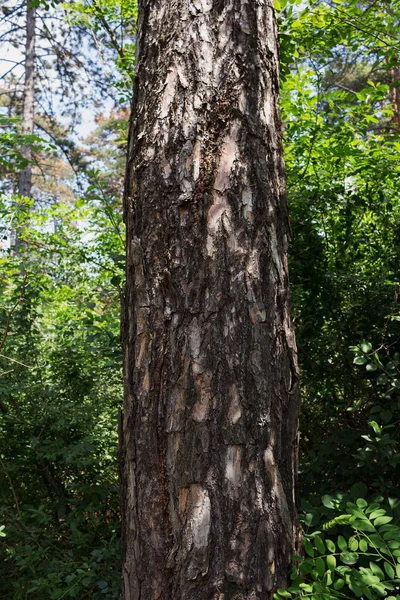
233 468
235 409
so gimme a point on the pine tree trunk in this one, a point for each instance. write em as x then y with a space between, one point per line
25 175
210 426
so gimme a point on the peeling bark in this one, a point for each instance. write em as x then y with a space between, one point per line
210 426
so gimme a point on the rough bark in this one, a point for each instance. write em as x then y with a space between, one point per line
209 431
25 175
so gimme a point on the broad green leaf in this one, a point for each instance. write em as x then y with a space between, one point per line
327 501
342 543
382 521
371 367
349 558
389 570
319 544
366 347
331 562
355 587
363 545
338 584
360 360
330 545
363 525
308 547
306 566
284 593
376 570
320 566
379 589
353 543
372 507
377 513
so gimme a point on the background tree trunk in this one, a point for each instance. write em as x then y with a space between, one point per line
209 433
25 176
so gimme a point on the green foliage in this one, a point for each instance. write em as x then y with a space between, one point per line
11 142
60 359
60 391
356 555
379 456
113 25
341 148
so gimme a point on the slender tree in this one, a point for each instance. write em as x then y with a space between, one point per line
210 425
25 176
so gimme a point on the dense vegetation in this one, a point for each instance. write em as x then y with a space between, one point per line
60 286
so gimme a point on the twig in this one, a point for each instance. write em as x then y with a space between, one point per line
6 372
15 361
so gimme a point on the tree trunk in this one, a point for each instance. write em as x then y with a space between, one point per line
395 73
210 427
25 175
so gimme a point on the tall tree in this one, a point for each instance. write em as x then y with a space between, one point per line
209 431
25 176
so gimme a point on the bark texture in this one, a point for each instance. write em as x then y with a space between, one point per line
209 430
25 176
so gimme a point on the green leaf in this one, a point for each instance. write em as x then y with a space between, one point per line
360 360
330 545
331 562
284 593
355 588
377 513
363 545
358 490
386 415
363 525
379 589
389 570
382 521
366 347
102 584
320 566
342 543
308 547
361 503
319 544
338 584
306 567
378 542
349 558
353 543
327 501
372 507
371 367
377 570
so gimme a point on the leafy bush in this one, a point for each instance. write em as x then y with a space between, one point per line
355 554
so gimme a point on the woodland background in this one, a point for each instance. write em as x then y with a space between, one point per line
60 357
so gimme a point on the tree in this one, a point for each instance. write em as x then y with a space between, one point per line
209 432
25 176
